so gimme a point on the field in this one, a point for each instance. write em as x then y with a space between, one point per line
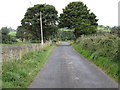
103 30
12 33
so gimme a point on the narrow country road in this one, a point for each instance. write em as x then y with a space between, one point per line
66 68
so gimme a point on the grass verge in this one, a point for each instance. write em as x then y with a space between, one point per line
107 65
20 73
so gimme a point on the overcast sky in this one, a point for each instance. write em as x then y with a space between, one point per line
12 11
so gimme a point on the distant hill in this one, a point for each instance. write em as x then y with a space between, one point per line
103 28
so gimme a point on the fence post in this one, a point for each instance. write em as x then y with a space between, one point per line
33 47
27 49
20 54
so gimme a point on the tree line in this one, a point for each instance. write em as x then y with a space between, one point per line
75 16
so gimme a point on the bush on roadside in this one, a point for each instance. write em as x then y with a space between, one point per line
106 46
103 50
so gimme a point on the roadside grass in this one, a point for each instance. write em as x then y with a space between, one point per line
20 73
108 65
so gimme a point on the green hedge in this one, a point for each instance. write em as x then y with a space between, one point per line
102 50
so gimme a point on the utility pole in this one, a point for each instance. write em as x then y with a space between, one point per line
41 28
40 24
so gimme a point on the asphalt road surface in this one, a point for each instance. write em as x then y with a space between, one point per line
66 68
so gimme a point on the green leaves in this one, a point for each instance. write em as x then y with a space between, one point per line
7 38
77 16
31 20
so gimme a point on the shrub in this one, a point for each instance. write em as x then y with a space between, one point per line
104 52
102 45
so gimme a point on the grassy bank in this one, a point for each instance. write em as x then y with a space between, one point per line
20 73
102 51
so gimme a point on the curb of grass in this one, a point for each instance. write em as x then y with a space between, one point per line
97 62
42 65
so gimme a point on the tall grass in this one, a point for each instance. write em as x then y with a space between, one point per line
20 73
16 51
101 50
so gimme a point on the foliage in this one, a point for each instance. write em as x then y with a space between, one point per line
31 21
22 34
20 73
6 38
102 50
65 34
115 30
77 16
106 46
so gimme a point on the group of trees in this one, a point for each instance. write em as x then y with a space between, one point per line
6 37
76 16
31 22
65 34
